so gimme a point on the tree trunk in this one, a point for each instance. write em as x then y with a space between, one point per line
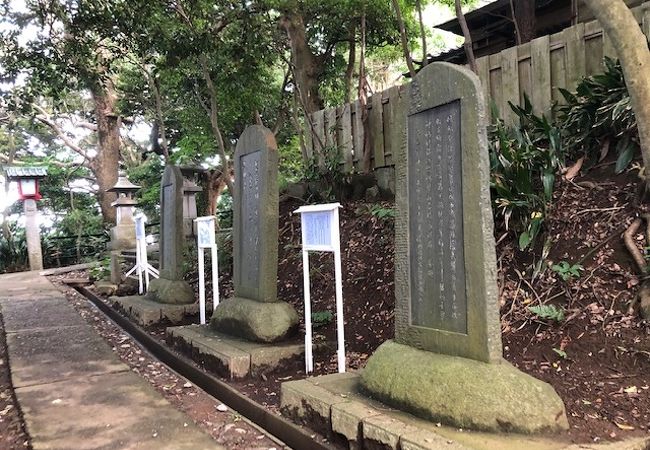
349 71
631 47
425 56
525 20
404 38
307 69
469 49
106 164
363 100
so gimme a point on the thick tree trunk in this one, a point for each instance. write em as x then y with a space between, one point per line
306 67
631 47
106 164
525 20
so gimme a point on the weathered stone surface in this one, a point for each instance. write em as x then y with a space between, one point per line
253 320
425 440
309 404
255 312
445 265
384 432
210 349
385 177
148 312
347 418
463 392
162 290
372 194
229 356
122 237
104 287
171 224
255 215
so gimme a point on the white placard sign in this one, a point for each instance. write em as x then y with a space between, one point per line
205 239
320 232
139 227
318 229
205 233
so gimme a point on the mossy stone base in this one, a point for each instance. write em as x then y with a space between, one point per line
255 321
176 292
462 392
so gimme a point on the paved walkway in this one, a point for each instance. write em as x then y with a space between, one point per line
74 391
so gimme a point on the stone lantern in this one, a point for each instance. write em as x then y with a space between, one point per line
190 189
123 233
28 178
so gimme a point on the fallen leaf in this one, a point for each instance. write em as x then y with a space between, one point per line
574 169
624 427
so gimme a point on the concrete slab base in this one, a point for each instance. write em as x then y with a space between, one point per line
230 356
147 312
334 406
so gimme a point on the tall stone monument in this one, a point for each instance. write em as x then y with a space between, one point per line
170 287
445 363
255 313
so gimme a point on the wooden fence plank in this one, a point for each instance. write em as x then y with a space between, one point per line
495 85
574 55
400 111
540 64
309 138
509 83
608 46
391 96
330 127
376 128
344 137
593 54
558 74
524 73
319 134
358 133
483 67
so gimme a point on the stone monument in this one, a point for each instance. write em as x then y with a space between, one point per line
445 363
255 313
170 287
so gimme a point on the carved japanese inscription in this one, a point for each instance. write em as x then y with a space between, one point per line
437 261
250 218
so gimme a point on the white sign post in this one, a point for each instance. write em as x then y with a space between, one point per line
205 237
320 233
142 266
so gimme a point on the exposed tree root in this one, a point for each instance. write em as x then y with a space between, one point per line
642 301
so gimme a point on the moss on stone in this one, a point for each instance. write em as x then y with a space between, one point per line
255 321
462 392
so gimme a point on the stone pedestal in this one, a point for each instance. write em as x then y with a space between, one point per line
33 235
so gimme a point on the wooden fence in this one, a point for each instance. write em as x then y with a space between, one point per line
537 69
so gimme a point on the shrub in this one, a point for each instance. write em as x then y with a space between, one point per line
523 163
600 113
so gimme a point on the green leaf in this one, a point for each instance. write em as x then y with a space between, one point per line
626 149
550 312
548 179
524 240
561 353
